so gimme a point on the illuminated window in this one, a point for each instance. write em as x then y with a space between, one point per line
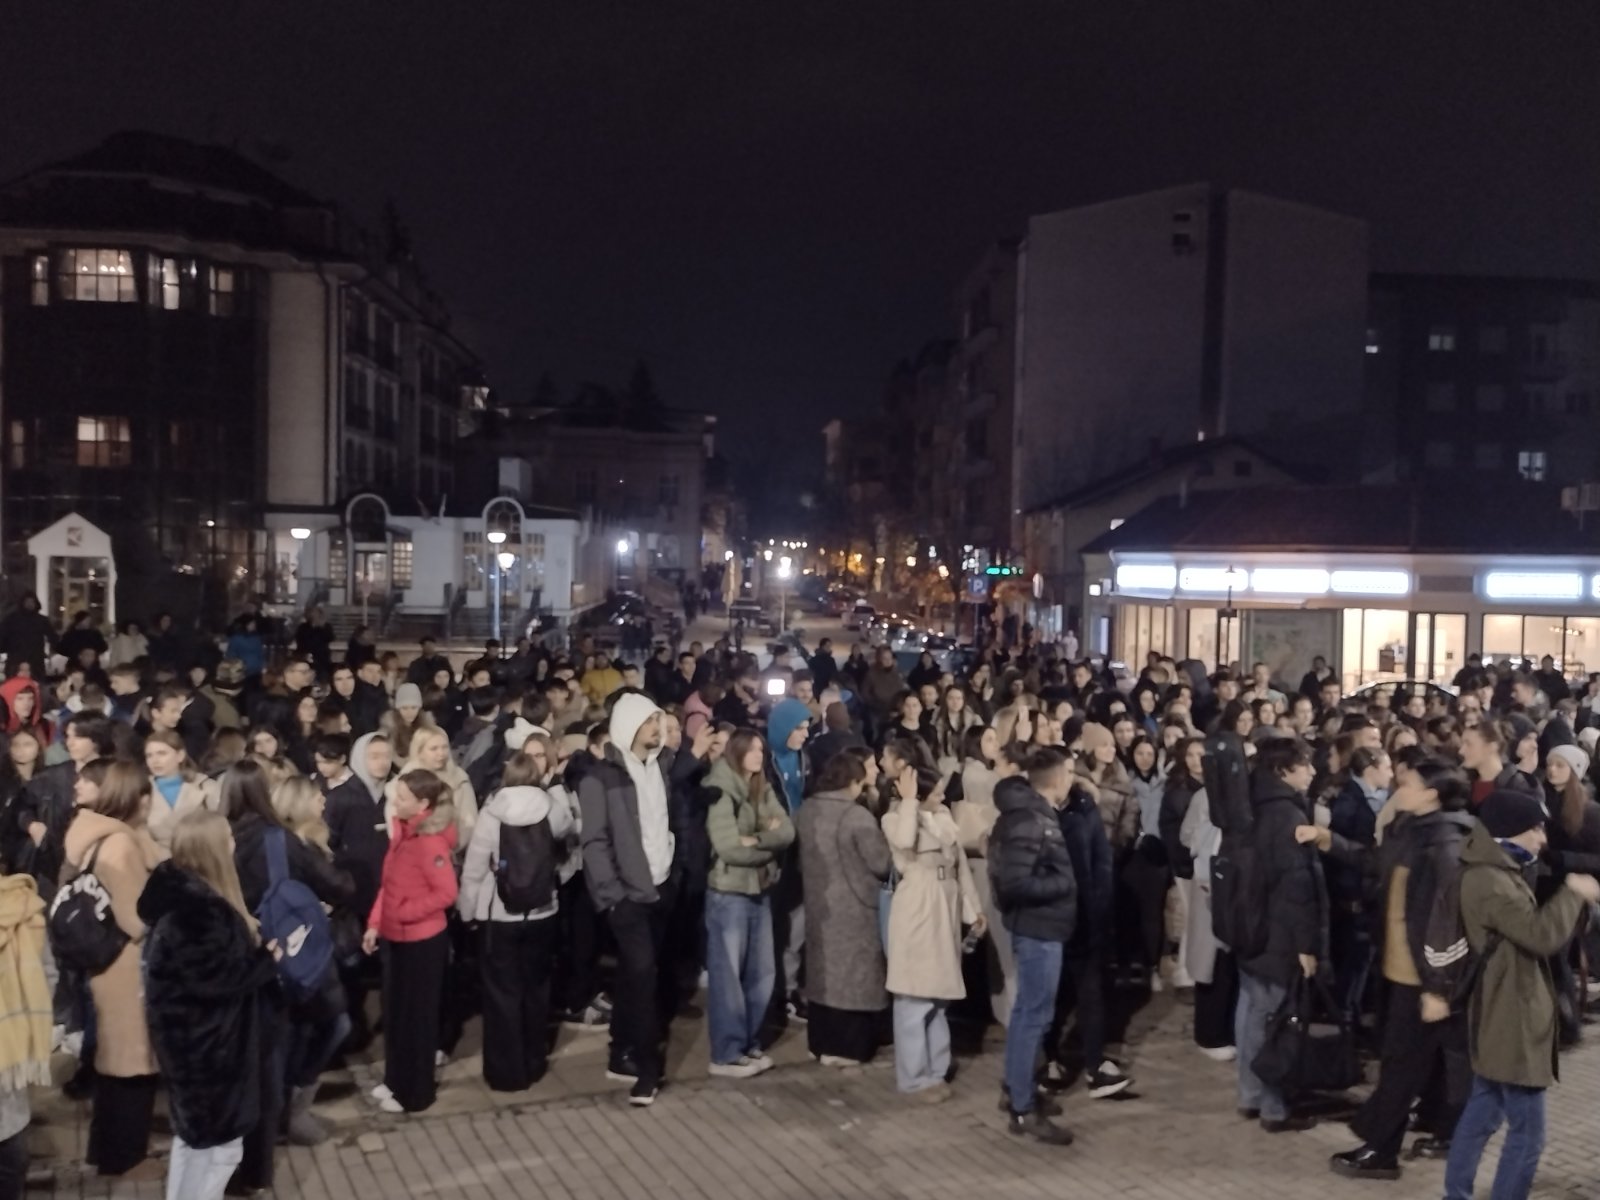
172 282
474 560
223 283
103 275
17 446
1374 346
41 279
400 565
1531 464
1442 339
104 442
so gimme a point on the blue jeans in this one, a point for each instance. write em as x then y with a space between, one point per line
739 972
1258 999
1522 1110
1038 972
921 1043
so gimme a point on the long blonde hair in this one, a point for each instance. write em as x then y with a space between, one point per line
202 843
298 803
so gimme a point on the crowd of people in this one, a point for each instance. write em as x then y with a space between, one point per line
295 852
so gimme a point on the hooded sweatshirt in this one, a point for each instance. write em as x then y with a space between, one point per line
358 830
627 833
655 829
36 722
785 719
517 807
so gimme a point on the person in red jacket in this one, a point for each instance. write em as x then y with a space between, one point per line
418 889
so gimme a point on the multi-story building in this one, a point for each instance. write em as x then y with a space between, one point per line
981 405
1179 315
1486 377
191 344
642 471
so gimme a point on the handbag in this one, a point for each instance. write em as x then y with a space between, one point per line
1305 1052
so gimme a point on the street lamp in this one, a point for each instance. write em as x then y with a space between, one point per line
299 533
785 571
497 537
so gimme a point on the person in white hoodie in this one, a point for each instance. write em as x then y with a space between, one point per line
627 865
508 886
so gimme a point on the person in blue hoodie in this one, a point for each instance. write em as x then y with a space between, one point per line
789 771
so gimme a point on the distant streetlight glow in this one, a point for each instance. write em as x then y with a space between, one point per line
496 536
299 533
622 546
727 556
911 560
506 558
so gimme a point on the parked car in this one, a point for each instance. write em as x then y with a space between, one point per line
861 616
1392 687
755 618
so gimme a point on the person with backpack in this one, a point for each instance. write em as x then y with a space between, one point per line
749 829
285 884
1424 960
417 891
1512 1027
1036 893
1279 882
206 972
108 842
508 888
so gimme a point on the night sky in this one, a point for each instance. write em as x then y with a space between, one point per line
772 202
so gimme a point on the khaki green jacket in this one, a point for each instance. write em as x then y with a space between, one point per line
745 870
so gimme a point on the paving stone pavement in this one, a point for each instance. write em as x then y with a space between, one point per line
813 1134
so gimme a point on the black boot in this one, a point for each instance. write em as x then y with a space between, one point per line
1364 1163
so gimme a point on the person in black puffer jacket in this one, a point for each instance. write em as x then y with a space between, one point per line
1036 891
206 979
1296 916
1084 956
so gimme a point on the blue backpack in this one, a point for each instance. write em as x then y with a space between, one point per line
291 915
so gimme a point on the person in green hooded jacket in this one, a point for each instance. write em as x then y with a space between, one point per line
749 828
1511 1017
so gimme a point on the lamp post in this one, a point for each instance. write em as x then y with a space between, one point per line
785 571
299 533
497 538
505 560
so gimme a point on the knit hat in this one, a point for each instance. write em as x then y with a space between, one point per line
1573 757
1506 814
408 695
519 732
1589 739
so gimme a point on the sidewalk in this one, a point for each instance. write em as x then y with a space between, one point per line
805 1132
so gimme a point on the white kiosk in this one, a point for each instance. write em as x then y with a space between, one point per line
74 571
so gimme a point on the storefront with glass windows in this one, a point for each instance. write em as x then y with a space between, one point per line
1374 618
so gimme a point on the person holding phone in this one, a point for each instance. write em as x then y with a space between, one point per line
934 898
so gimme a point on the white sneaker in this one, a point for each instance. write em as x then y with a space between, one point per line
72 1043
382 1093
838 1061
1220 1053
390 1105
1156 985
739 1068
762 1062
440 1058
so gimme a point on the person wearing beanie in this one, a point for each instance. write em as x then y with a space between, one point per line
627 865
1511 1015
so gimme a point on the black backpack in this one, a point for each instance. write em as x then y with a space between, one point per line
84 934
525 870
1238 883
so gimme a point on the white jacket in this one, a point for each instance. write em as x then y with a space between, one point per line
480 898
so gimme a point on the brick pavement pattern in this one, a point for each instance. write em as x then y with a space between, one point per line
808 1133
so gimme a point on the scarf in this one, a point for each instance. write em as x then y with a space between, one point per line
25 1008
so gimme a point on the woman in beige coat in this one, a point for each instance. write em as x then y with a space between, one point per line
430 751
110 831
984 764
176 788
934 897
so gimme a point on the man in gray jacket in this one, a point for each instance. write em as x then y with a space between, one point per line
627 864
